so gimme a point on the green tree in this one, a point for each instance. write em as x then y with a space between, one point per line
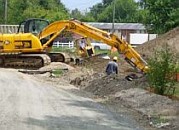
125 11
162 70
76 14
19 10
86 17
162 15
96 10
2 11
107 2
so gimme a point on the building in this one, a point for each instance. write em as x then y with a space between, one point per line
122 30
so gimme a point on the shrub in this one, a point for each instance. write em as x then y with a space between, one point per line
162 70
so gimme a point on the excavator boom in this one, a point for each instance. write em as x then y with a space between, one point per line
131 56
34 40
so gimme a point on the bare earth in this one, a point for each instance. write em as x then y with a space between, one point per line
27 103
83 98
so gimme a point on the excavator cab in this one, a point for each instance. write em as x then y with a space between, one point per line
34 26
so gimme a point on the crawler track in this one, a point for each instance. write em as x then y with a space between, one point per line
29 61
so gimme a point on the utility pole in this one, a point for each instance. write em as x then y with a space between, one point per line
5 12
114 10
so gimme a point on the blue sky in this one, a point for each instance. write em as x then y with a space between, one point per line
82 5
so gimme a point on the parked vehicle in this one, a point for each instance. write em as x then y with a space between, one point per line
100 46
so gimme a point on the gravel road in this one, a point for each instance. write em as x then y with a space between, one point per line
29 104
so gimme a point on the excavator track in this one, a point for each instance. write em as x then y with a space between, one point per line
59 57
27 61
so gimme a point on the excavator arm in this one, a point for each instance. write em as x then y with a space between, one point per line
131 56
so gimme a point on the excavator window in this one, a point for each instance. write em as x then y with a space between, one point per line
34 26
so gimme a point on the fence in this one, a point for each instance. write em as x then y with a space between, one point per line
59 44
8 28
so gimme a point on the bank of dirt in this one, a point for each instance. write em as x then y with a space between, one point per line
160 111
151 110
169 39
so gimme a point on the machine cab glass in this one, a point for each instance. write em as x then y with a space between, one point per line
34 26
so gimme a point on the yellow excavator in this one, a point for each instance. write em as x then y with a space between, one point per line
32 44
24 49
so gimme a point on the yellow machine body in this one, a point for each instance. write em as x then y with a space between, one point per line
21 42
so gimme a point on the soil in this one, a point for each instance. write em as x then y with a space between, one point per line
151 110
160 111
170 39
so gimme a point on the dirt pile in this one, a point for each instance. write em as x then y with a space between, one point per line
170 39
160 110
90 76
56 65
101 85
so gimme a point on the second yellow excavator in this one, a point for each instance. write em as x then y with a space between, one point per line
32 44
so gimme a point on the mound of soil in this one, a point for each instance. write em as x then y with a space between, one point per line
169 39
101 85
56 65
118 89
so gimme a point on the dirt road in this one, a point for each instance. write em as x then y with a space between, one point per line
28 104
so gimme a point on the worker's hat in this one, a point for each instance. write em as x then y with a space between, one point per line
115 58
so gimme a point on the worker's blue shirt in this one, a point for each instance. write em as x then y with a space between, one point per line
112 68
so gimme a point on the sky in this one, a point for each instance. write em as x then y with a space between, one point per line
82 5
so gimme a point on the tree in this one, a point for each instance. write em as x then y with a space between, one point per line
2 11
86 17
162 15
107 2
96 10
162 69
19 10
76 14
125 11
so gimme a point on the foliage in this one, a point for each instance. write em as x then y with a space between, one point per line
96 10
125 11
107 2
86 17
162 70
57 72
158 15
2 4
162 15
63 49
19 10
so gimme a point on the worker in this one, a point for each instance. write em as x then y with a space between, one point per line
112 67
82 44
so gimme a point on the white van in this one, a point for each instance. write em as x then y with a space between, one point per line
100 46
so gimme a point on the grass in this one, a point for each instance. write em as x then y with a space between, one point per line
102 51
57 72
63 49
177 89
72 50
